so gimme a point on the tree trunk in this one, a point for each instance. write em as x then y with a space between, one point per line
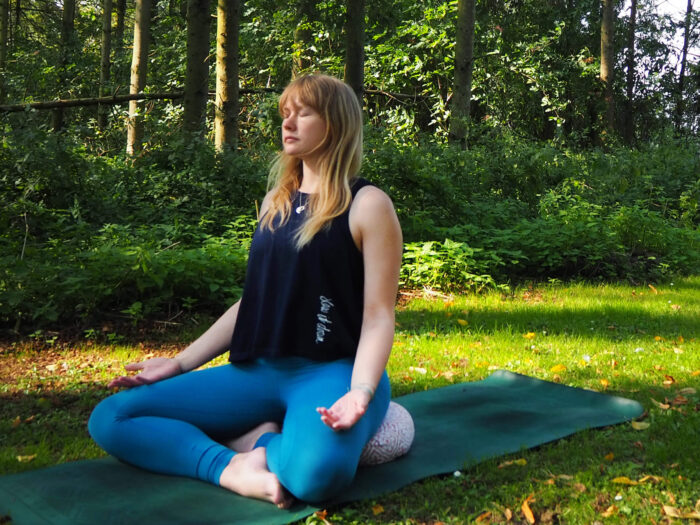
119 28
197 76
303 36
631 63
607 61
4 31
464 65
139 69
355 47
680 101
105 62
67 37
226 112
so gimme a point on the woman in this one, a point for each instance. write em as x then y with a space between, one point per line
306 386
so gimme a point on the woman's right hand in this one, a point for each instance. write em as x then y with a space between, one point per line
152 370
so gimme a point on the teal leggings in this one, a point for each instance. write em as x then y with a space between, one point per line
172 426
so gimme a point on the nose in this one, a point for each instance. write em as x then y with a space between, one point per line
289 122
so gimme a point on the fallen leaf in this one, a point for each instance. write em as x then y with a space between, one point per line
640 425
653 479
609 457
462 322
26 459
691 515
484 516
679 400
687 391
521 462
377 509
580 487
638 444
605 383
653 289
508 514
321 514
557 368
610 511
418 369
672 512
527 511
547 516
658 338
675 307
16 422
529 335
624 480
662 406
696 373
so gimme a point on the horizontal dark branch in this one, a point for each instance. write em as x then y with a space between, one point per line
112 100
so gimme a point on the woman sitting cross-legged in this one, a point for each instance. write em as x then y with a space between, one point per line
306 386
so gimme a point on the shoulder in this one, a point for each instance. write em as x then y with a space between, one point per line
265 204
372 214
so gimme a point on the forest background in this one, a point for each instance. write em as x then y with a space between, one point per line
520 141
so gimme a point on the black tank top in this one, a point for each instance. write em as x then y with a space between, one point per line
304 302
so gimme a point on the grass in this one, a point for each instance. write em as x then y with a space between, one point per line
638 342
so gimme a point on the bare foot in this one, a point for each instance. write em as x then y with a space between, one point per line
247 475
246 442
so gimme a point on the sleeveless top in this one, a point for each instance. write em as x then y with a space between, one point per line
304 302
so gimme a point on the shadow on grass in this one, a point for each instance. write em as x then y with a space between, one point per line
612 323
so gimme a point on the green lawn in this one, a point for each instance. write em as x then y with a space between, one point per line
639 342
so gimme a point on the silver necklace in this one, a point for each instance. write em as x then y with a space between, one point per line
301 206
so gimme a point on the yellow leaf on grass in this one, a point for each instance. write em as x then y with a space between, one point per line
483 517
609 457
687 391
16 422
653 289
377 509
520 462
605 383
557 368
624 480
26 459
672 512
658 338
508 514
653 479
640 425
662 406
529 335
610 511
527 511
696 373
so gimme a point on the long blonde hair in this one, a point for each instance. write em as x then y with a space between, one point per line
339 159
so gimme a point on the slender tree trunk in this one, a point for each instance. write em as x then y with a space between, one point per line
197 77
105 61
139 69
303 36
680 101
67 37
464 65
631 64
226 112
4 43
607 61
355 47
119 28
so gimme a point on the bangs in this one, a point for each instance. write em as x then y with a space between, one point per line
307 91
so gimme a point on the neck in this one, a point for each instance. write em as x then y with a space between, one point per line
310 179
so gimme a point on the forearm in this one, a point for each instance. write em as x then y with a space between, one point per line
373 351
212 343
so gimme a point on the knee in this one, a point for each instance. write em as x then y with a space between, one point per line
318 479
102 421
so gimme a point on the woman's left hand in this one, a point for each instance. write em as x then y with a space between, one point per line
346 411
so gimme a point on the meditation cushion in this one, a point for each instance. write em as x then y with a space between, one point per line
393 439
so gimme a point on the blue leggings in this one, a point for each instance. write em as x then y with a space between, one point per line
172 426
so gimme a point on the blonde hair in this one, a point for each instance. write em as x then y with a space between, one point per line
339 159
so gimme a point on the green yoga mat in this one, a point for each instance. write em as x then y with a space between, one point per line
456 426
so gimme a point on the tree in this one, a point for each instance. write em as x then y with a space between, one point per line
607 61
105 60
464 65
4 22
680 100
355 46
139 70
197 77
226 112
67 38
631 65
119 28
303 36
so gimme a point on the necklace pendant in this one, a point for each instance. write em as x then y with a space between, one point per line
300 209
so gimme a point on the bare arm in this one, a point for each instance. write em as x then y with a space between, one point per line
376 229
